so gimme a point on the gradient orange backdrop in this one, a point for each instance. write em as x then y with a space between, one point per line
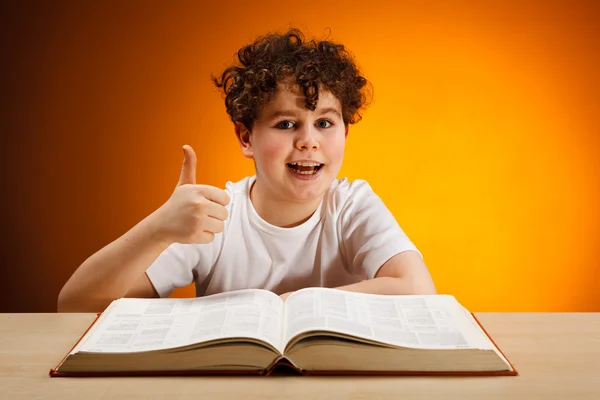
483 137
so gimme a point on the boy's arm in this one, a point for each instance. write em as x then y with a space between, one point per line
193 214
115 271
404 273
375 243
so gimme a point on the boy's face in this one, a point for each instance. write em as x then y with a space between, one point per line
297 152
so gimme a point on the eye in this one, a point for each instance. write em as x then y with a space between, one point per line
324 123
285 125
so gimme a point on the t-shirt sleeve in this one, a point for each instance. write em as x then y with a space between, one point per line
179 265
370 233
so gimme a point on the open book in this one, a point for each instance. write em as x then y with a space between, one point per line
315 331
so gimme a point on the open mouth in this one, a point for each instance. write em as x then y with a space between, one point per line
305 168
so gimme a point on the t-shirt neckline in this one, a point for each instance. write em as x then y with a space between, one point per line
303 228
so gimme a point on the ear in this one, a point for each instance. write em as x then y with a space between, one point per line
243 136
347 130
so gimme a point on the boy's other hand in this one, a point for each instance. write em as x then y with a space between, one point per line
284 296
194 213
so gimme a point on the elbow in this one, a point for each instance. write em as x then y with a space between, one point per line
73 303
64 303
61 305
430 290
424 288
422 291
68 302
69 298
413 287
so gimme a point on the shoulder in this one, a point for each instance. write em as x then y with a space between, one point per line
238 191
239 188
355 203
347 186
344 193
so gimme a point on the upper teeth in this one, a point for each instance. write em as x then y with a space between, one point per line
306 164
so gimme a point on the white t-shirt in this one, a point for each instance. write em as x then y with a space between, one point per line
348 238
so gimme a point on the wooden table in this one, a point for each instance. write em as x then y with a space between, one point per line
557 356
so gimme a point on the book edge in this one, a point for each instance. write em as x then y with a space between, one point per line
54 371
88 374
514 370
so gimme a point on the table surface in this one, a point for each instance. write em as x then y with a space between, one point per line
557 355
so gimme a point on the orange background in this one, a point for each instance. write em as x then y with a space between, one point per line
483 137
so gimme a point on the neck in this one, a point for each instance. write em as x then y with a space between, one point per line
279 212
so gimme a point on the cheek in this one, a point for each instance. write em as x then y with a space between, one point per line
270 150
336 147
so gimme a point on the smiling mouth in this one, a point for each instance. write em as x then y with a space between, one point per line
305 168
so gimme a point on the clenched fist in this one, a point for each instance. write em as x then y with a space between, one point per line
193 213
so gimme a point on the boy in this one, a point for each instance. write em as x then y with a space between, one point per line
293 224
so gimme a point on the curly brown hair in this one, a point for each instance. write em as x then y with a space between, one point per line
275 57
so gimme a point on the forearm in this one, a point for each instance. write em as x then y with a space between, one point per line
108 274
389 285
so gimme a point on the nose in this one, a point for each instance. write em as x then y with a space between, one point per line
306 139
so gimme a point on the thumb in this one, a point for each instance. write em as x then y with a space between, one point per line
188 170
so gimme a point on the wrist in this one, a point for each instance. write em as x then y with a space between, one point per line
155 232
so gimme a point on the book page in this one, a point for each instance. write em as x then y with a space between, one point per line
427 321
130 324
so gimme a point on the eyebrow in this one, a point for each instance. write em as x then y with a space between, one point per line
292 113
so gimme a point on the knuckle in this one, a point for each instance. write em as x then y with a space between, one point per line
200 203
207 237
201 189
198 221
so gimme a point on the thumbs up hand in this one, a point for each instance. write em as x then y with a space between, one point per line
194 213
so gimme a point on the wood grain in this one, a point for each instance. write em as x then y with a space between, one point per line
557 356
